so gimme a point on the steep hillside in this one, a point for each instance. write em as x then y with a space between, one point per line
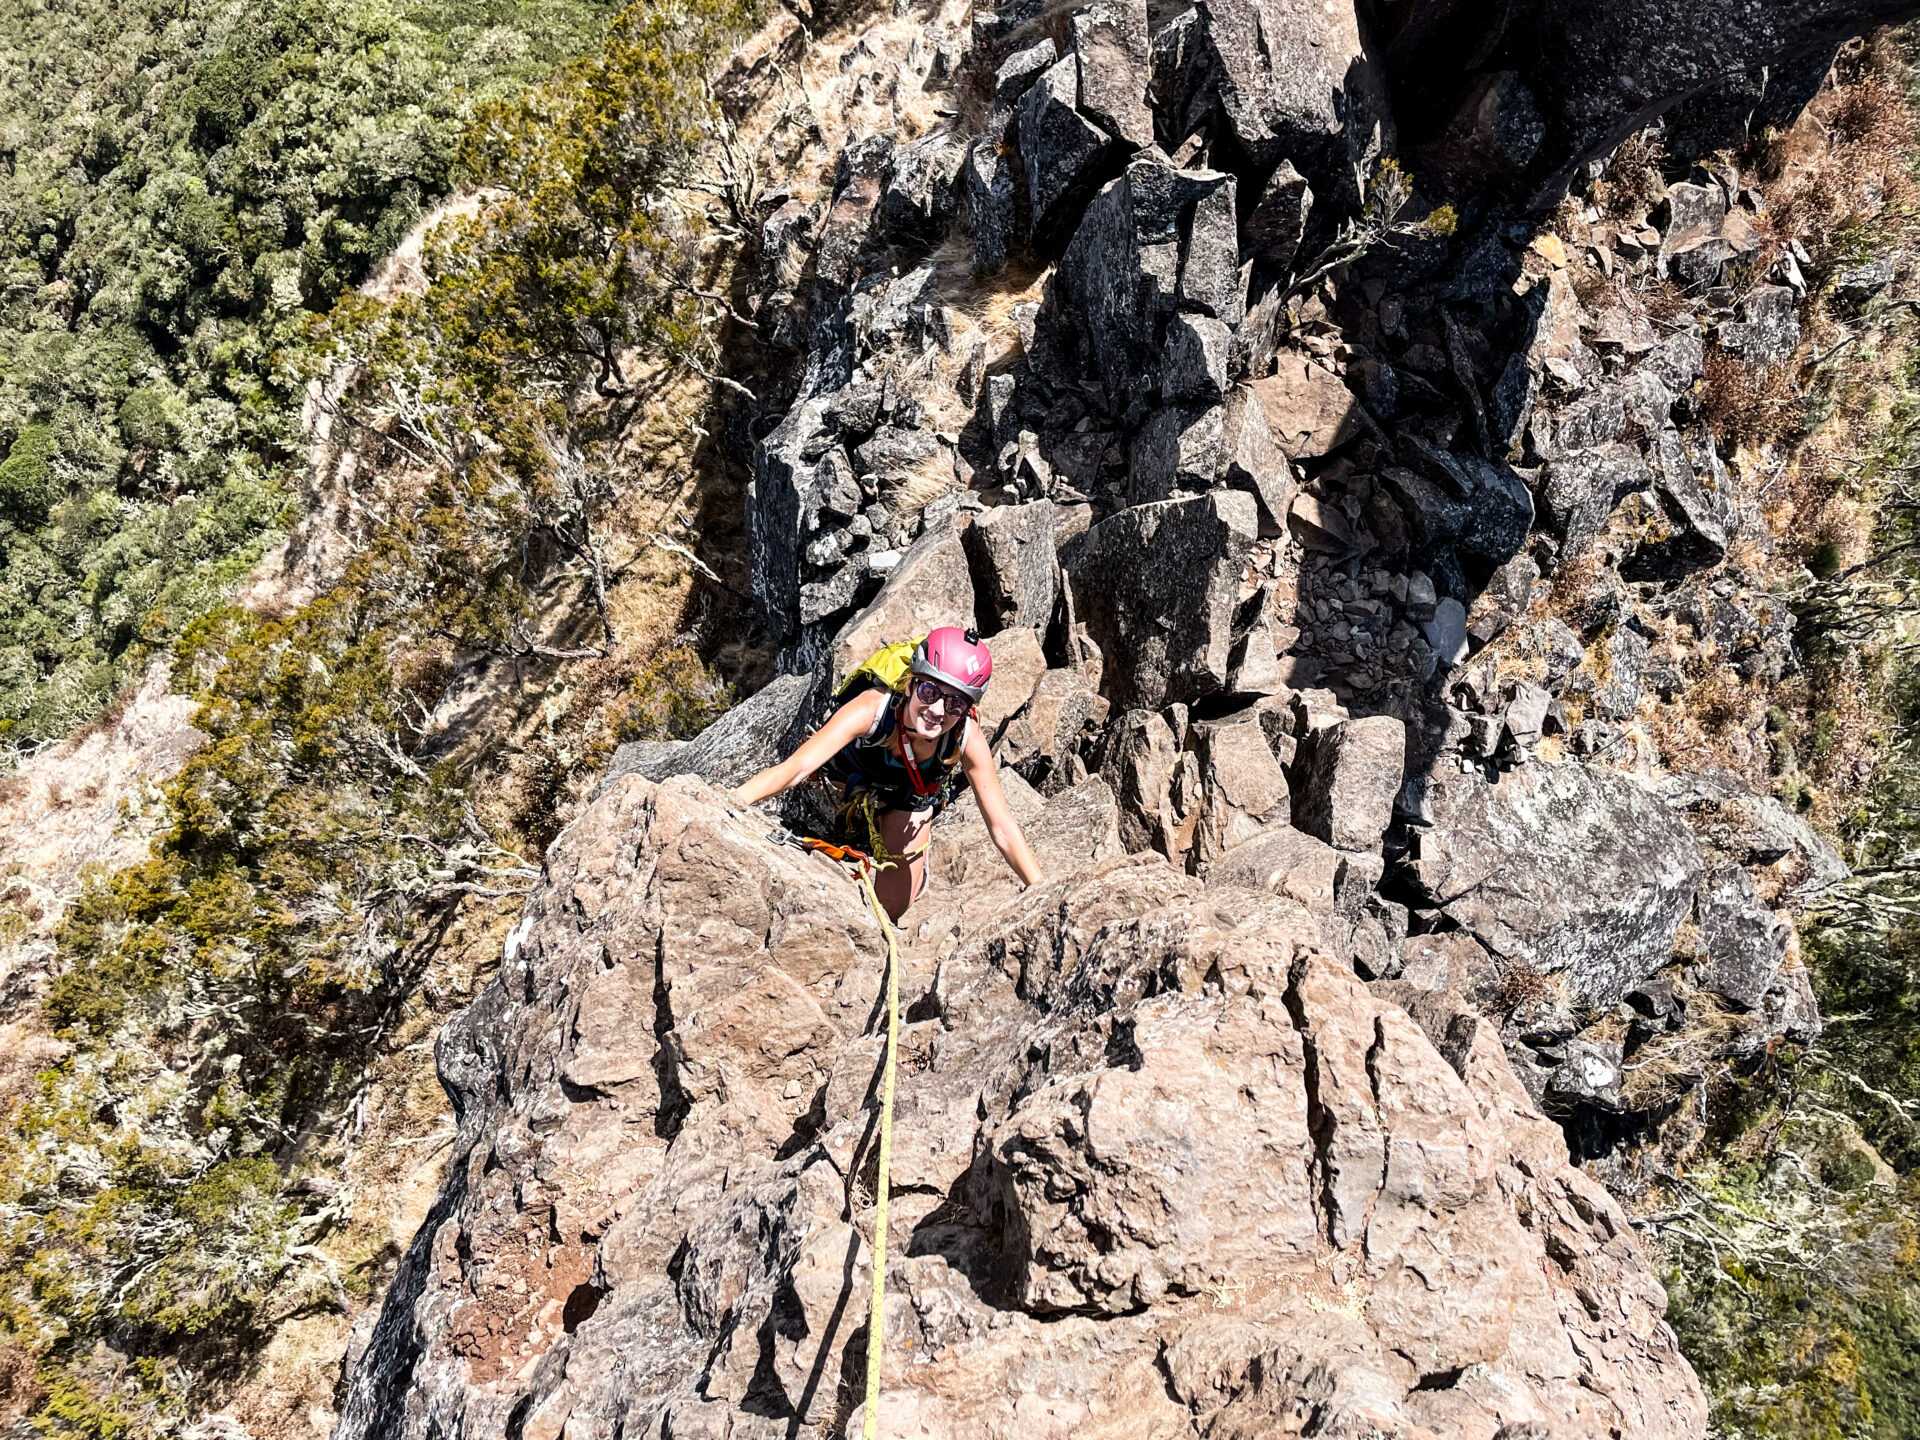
183 188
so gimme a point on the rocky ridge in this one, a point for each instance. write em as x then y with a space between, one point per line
1162 1166
1330 604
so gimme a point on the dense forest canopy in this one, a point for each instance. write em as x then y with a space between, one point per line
180 186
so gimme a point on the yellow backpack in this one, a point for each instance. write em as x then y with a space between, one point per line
885 669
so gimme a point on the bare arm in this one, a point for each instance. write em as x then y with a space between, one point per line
977 761
849 723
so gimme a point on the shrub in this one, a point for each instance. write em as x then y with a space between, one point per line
29 487
234 166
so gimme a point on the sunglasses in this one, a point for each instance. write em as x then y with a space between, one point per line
931 695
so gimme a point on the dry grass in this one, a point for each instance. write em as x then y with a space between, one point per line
20 1389
1578 591
1841 726
1632 181
1520 985
1849 159
1744 406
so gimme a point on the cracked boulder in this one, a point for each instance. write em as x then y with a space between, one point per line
1297 80
1744 942
1565 869
1154 242
931 586
1011 549
1157 587
1066 155
1348 774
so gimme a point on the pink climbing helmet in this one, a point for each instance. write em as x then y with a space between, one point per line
955 658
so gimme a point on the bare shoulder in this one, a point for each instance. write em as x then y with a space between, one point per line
862 710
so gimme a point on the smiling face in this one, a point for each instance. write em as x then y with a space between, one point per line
931 710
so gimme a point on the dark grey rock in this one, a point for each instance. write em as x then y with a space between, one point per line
1790 1010
826 598
1065 154
1278 221
1726 115
732 750
1156 587
1529 713
1619 697
1693 210
839 492
1210 276
1251 461
1296 81
1177 449
990 210
1120 277
1511 586
1490 521
1770 329
1859 284
1020 69
1494 135
1564 651
1679 359
1570 869
1379 386
1501 512
1750 829
1510 405
1698 538
782 501
1654 999
1193 364
1446 634
1601 72
854 409
1346 776
894 453
921 193
895 311
1010 549
1184 78
1580 488
1589 1074
1114 51
1744 941
847 230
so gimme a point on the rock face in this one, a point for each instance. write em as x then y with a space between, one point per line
1595 73
1566 869
1324 609
1161 1168
1350 774
1156 588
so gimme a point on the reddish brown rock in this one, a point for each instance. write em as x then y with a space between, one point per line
1161 1168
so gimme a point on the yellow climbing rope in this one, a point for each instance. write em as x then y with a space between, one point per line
872 1423
864 866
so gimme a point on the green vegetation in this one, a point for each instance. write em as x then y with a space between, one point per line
225 997
1793 1233
181 187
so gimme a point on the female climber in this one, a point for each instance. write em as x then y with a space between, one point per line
898 755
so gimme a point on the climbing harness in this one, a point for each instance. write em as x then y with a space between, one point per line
863 866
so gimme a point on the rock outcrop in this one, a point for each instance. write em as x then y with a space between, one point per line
1161 1166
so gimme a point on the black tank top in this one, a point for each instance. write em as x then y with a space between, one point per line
875 763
